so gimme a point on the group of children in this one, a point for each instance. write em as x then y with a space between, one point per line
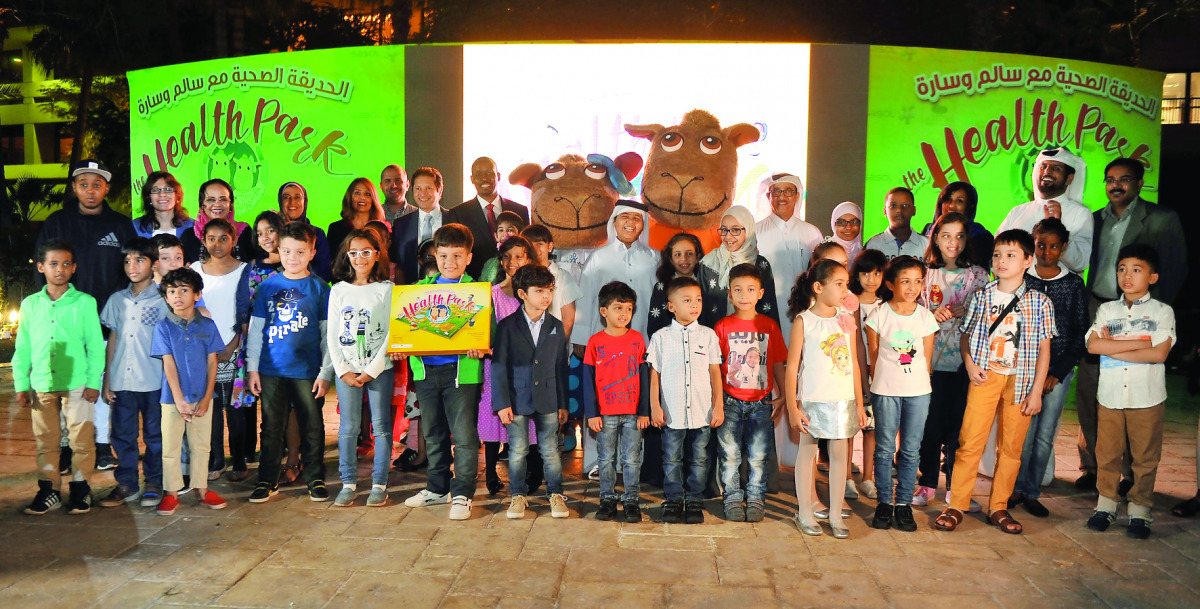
922 355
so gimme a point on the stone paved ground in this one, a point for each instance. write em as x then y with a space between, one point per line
291 552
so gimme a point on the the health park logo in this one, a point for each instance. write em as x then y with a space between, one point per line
241 164
440 313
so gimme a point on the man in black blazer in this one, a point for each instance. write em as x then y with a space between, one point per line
473 213
529 383
417 223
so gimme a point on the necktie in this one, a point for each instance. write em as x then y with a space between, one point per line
426 228
491 214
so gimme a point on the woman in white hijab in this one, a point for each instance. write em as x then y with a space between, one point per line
846 222
739 246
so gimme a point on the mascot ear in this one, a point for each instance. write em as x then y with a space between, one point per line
526 174
644 131
629 163
741 134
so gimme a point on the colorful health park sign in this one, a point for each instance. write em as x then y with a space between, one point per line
938 116
320 118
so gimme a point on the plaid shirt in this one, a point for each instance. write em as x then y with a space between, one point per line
1037 323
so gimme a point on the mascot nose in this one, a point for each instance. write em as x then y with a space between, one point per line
683 181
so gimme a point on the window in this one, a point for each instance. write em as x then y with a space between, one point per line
1181 99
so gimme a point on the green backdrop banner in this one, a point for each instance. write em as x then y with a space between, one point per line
320 118
937 116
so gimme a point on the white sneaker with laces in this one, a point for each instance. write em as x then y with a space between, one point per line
460 508
558 506
867 489
516 507
426 498
851 492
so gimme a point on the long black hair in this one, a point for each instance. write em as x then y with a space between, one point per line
868 261
666 270
802 292
897 265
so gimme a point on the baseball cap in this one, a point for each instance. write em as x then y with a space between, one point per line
91 166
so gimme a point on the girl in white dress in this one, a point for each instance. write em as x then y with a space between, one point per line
823 357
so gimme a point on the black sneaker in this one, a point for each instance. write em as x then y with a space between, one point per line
46 499
317 491
64 460
672 511
608 509
187 487
883 516
693 512
1015 499
105 460
79 501
902 519
119 496
755 511
1139 528
633 512
263 491
735 511
1035 507
1101 520
1086 482
1124 486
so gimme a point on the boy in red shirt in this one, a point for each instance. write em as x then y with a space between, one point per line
753 352
616 400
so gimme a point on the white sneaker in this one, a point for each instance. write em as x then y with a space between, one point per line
974 507
594 473
460 508
851 492
868 490
516 507
426 498
558 506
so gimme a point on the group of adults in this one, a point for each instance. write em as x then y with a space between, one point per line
786 240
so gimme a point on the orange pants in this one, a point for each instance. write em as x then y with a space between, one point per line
983 402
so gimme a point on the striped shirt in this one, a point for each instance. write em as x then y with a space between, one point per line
1037 324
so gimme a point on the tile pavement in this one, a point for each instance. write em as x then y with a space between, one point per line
291 552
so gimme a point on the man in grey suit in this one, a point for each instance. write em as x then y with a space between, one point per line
1126 219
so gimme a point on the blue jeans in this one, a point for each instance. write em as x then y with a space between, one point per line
546 427
673 442
450 414
904 416
125 411
1039 442
623 429
746 424
379 395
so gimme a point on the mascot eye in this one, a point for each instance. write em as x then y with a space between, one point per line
595 171
710 145
555 171
672 142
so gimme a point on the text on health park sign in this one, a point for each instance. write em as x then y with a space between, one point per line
938 116
320 118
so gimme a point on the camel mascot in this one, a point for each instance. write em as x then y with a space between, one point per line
691 175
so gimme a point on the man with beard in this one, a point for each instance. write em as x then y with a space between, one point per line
1127 219
1058 181
394 184
97 232
479 214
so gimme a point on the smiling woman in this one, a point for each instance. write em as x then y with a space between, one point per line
162 207
216 201
360 205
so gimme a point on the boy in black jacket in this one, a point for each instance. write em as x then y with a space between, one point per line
529 372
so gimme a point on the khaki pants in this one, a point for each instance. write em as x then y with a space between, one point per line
199 432
995 395
76 419
1142 428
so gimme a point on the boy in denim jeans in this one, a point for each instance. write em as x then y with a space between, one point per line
615 400
753 352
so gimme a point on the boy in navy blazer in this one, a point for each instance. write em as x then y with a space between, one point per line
529 372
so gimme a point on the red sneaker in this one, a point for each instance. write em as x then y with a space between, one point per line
213 500
167 506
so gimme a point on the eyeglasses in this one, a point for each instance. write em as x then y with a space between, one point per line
783 192
210 200
353 254
162 191
736 232
1123 180
847 223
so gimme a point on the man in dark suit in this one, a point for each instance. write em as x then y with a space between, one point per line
479 214
417 223
529 383
1126 219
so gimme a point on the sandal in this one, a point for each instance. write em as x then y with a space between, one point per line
1188 508
1002 519
948 520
